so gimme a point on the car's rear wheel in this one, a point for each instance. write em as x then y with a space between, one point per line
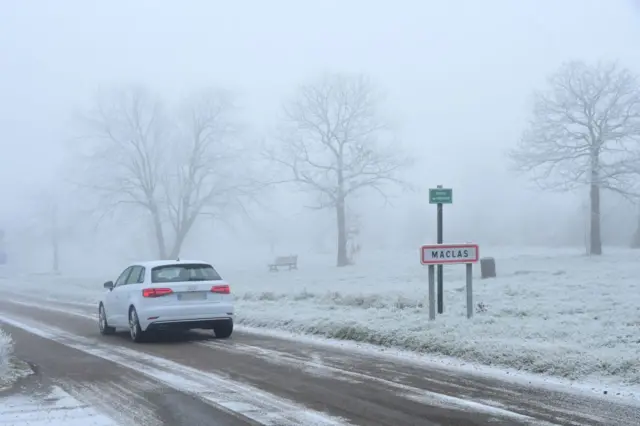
134 326
105 329
223 329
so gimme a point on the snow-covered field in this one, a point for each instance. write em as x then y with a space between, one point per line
550 311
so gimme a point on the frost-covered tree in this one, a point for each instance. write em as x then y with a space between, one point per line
335 144
170 166
584 132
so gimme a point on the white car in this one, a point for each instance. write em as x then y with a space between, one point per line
167 295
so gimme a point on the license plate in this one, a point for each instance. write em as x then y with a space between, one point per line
195 295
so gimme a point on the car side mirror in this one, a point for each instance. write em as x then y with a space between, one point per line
108 285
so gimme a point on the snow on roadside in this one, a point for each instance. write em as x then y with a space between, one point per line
56 408
6 350
554 312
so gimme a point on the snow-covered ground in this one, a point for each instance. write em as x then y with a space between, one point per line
55 408
550 311
6 349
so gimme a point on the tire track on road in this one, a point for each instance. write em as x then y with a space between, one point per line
220 392
126 397
565 407
442 391
366 403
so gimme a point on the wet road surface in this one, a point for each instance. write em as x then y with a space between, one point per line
194 379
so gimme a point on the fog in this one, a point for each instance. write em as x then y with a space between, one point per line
457 79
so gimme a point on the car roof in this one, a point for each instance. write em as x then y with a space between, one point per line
156 263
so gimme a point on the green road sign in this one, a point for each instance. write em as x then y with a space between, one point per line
440 196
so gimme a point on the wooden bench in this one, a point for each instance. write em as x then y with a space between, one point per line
282 261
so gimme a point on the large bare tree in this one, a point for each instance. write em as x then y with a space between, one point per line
124 155
335 144
210 172
173 166
584 133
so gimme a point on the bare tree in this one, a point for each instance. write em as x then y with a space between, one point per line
124 157
335 144
584 132
210 174
51 219
172 167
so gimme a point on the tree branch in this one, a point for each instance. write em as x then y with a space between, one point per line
589 115
332 141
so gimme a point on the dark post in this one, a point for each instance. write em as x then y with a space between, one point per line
440 269
487 267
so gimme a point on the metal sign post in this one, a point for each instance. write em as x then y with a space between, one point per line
432 293
440 196
469 290
442 254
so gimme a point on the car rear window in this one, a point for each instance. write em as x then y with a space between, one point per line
184 272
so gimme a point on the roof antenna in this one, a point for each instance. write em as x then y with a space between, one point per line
178 259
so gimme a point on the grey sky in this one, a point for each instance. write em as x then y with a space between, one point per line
457 74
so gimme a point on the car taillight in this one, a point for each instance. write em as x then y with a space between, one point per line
221 289
156 292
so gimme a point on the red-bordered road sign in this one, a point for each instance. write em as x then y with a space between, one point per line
438 254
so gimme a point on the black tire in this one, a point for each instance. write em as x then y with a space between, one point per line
104 327
136 333
223 329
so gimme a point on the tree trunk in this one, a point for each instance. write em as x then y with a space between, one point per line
56 254
159 233
177 246
595 238
55 240
635 240
182 230
342 259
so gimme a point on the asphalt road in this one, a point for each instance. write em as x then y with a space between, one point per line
193 379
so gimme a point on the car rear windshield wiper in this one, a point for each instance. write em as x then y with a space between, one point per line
199 279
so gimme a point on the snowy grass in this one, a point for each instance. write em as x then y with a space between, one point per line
550 311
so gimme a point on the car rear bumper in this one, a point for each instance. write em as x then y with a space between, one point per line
207 323
184 317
